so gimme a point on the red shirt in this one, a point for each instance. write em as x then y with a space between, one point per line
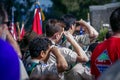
105 54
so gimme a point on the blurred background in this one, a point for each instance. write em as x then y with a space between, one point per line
24 10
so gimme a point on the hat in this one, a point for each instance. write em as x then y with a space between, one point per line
9 63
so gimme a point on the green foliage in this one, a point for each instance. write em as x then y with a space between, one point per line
102 33
79 8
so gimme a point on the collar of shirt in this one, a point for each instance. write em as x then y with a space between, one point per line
53 42
37 61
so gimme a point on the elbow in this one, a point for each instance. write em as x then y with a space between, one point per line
94 35
64 67
82 59
86 59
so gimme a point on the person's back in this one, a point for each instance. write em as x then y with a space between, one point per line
113 73
107 52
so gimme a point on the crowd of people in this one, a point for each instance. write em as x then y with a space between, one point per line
61 54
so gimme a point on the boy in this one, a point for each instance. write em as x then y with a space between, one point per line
39 51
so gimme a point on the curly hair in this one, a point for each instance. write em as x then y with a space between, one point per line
37 45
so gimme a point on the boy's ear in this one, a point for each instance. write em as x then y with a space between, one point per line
55 36
71 27
42 54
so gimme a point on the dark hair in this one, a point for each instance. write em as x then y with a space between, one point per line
2 13
37 45
92 46
115 20
53 26
108 34
29 35
68 19
24 43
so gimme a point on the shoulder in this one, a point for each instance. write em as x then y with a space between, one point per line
66 51
68 54
45 68
84 39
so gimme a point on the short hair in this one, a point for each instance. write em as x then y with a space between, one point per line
53 26
29 35
108 34
24 43
3 13
92 46
37 45
115 20
68 19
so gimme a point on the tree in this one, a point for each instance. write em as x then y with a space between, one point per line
78 8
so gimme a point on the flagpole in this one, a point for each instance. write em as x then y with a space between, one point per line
22 27
88 18
17 23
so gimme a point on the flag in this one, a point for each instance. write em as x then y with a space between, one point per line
37 21
12 30
22 32
12 27
42 14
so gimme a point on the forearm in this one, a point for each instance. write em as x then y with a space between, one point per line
81 54
76 47
91 31
61 62
14 44
17 49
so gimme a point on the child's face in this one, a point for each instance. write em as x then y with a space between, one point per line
59 36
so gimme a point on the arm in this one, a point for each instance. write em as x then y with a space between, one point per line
91 31
61 62
13 43
82 57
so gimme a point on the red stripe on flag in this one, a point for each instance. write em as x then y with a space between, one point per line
37 26
13 31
